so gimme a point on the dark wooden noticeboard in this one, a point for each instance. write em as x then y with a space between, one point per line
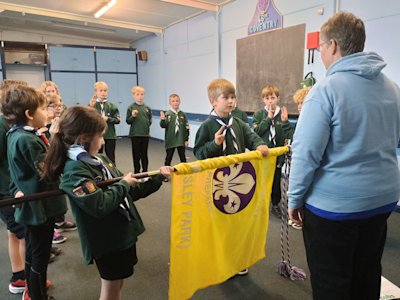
271 58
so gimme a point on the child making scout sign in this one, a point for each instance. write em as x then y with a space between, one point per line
110 113
268 125
139 117
176 127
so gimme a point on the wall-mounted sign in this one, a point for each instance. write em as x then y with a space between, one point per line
266 17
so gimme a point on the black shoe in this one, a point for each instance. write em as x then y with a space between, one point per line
276 211
52 258
55 250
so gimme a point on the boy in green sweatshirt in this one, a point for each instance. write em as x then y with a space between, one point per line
222 134
139 117
110 113
25 110
267 123
176 126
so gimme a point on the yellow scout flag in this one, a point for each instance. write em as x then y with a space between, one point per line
219 218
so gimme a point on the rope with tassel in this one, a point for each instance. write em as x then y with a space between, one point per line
285 267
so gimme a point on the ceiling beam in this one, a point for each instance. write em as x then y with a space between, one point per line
75 17
195 4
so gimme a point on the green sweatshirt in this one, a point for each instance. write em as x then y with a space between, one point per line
140 125
26 152
205 147
172 139
102 228
262 124
112 113
240 114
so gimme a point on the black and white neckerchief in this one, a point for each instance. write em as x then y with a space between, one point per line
103 113
176 112
229 127
30 129
77 152
272 131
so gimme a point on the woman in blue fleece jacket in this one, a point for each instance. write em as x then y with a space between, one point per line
344 181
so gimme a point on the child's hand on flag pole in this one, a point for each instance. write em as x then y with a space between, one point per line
263 149
166 171
132 181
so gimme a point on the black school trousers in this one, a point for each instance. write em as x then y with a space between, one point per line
140 145
344 257
170 154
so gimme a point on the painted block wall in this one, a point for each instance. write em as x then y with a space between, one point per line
188 55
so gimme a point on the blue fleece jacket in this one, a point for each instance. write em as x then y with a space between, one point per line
344 163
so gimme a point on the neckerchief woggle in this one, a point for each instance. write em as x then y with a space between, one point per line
77 152
176 119
229 127
102 106
272 131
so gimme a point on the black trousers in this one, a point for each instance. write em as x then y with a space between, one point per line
38 240
170 153
109 146
344 257
276 187
140 145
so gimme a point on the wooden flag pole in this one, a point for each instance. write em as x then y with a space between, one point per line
58 192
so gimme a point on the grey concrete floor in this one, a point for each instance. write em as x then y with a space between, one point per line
72 280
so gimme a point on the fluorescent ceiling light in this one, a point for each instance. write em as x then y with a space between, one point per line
106 7
195 4
82 27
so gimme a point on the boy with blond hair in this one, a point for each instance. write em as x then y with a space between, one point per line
267 123
176 126
222 134
298 98
139 117
110 114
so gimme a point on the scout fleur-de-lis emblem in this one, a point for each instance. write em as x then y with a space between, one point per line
233 187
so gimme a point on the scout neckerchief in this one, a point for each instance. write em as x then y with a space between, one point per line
272 131
227 127
30 129
77 152
102 106
176 112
